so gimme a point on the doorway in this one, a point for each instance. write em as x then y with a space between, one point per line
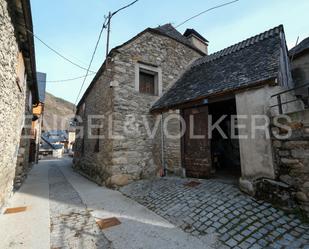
196 155
211 156
225 152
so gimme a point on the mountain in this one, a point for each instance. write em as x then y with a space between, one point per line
57 113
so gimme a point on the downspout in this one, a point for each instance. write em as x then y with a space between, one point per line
162 147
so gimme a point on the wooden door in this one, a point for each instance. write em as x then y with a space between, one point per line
196 155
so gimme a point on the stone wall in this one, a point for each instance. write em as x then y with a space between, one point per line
12 104
93 157
23 166
138 155
300 70
292 160
171 145
135 155
256 152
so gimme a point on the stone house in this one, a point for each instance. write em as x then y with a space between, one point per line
18 92
239 80
134 76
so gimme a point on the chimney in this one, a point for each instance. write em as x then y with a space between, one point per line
197 40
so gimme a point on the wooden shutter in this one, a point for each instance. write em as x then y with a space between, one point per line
147 83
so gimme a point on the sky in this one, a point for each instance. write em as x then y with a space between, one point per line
72 27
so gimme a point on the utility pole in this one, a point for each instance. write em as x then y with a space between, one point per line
109 18
108 33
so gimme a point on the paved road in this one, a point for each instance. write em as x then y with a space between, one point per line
63 208
215 207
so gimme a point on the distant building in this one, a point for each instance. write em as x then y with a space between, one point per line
56 143
37 121
71 138
18 93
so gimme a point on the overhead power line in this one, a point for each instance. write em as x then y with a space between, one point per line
205 11
55 51
69 79
106 25
127 6
92 57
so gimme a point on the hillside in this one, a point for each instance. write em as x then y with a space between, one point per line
57 113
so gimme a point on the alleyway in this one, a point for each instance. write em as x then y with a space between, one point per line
62 210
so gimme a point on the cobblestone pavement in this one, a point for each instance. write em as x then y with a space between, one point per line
72 225
214 207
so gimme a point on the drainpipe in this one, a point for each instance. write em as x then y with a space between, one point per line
162 147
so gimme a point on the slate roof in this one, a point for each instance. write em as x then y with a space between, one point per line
301 47
170 31
41 78
55 136
244 64
166 30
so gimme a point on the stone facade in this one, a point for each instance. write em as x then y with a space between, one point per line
13 99
131 154
23 164
300 69
87 160
292 161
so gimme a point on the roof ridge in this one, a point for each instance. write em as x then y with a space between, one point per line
240 45
169 30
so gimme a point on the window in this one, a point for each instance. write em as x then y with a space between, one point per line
148 79
147 83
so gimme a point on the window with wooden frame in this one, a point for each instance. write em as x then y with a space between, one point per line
148 79
147 82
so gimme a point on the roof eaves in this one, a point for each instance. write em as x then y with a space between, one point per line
26 8
261 82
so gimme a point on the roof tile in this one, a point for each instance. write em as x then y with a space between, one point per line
250 61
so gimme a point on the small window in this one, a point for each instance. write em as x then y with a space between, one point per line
148 79
147 83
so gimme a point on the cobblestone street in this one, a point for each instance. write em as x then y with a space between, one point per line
214 207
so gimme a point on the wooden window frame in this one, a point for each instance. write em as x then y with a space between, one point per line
154 77
148 69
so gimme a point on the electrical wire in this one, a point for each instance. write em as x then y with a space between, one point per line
105 25
92 57
203 12
55 51
66 80
125 7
